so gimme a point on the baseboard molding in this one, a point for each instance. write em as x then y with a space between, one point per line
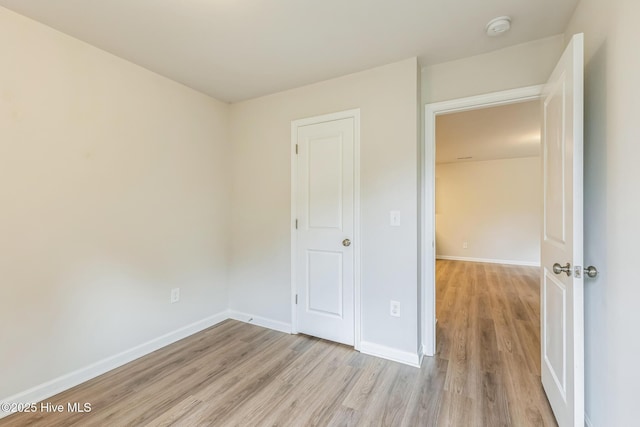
260 321
408 358
490 261
72 379
587 421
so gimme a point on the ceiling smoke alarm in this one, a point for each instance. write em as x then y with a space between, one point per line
498 26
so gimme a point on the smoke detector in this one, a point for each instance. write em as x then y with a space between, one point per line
498 26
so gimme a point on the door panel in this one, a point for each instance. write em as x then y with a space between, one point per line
562 312
555 344
325 285
554 161
325 183
325 212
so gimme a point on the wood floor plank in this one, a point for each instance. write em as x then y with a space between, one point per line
265 401
427 398
486 371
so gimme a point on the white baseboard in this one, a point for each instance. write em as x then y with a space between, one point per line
412 359
490 261
587 421
260 321
72 379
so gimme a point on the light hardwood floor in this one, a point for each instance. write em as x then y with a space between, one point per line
486 372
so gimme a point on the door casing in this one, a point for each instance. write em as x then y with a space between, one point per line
427 238
357 235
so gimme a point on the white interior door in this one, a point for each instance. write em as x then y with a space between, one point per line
325 230
562 316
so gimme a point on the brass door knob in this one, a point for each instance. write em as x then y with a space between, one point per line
346 242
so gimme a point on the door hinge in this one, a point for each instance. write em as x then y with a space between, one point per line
296 224
296 148
296 299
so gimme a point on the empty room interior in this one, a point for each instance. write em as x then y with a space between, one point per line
295 213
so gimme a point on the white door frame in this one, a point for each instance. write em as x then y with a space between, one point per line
357 236
428 261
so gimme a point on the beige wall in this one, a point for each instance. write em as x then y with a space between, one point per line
260 255
612 208
114 189
518 66
494 206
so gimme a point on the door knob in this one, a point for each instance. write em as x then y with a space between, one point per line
591 271
346 242
557 268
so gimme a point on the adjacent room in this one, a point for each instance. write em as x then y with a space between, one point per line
488 222
224 212
489 185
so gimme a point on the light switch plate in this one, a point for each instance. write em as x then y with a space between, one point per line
175 295
394 218
394 309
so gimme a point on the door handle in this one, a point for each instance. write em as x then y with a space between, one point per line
591 271
346 242
557 268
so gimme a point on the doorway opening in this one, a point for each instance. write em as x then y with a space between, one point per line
488 215
428 237
483 184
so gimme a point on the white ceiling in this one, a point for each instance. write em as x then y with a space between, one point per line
503 132
240 49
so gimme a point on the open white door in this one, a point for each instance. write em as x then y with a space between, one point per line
562 313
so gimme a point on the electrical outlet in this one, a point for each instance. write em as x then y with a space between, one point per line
465 245
395 309
175 295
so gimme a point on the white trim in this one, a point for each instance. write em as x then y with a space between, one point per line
427 263
357 232
377 350
424 350
423 347
357 235
294 216
490 260
587 421
512 96
264 322
72 379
